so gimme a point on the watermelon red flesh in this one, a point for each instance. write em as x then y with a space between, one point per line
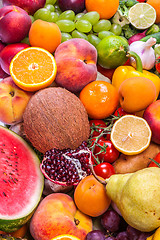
21 181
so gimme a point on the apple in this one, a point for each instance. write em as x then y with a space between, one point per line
8 53
152 116
14 24
76 64
2 45
2 74
13 101
30 6
75 5
56 215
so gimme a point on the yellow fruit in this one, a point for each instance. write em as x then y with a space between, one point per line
156 235
131 134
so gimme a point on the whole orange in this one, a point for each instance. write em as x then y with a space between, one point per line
100 99
105 8
156 5
90 197
44 34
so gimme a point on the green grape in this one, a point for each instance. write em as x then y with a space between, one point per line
32 18
57 9
77 34
69 15
65 37
54 17
78 16
116 29
50 7
93 17
26 40
51 2
94 40
104 34
66 25
43 14
83 26
102 25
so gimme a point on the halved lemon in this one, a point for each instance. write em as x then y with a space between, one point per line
131 134
65 237
142 15
33 68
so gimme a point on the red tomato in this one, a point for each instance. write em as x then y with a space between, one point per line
120 112
99 123
104 170
106 72
141 0
157 159
158 64
108 153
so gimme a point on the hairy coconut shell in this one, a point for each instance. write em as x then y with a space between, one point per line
55 118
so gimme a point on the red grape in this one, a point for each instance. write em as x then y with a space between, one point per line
110 220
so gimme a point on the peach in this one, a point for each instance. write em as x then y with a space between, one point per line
56 215
152 116
14 24
13 101
8 53
76 64
30 6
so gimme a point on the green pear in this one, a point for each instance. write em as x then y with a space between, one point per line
137 196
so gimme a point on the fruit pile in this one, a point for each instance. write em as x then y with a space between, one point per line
79 119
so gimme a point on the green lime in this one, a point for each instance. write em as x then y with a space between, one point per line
112 51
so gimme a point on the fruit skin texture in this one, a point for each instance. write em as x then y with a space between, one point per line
151 115
44 34
75 5
30 6
106 8
90 197
67 121
136 94
56 215
137 197
14 24
76 64
100 99
155 4
13 101
8 53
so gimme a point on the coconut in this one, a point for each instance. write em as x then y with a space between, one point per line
55 118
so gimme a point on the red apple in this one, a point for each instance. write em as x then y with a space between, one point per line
30 6
2 74
8 53
14 24
76 64
75 5
152 116
2 45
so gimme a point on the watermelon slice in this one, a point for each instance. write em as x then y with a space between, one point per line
21 181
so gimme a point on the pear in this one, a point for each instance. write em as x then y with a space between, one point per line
137 196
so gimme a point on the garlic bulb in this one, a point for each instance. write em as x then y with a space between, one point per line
145 52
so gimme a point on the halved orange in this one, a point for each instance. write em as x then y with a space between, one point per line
65 237
33 68
131 134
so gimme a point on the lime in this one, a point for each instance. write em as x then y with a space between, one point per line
142 15
112 51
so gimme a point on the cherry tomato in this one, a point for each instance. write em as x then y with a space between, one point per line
141 0
108 153
158 64
157 159
104 170
120 112
98 123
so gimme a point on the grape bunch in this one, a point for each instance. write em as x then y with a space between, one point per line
86 25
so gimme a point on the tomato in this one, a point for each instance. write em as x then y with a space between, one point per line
157 65
98 123
120 112
106 151
104 170
157 159
106 72
141 0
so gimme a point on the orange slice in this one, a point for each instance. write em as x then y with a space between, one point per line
33 68
131 134
65 237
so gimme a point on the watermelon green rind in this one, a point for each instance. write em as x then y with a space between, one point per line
12 222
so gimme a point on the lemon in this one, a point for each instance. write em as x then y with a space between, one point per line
112 51
142 15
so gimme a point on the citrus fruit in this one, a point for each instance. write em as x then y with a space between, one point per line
156 5
105 8
131 134
100 99
33 68
142 15
112 51
156 235
65 237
